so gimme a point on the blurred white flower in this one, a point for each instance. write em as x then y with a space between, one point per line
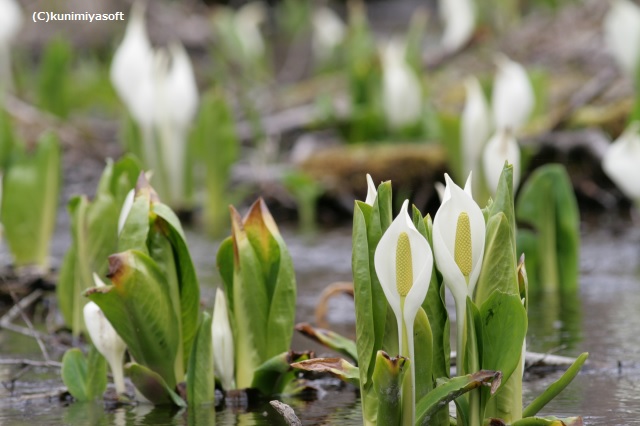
501 147
475 125
372 192
621 162
513 98
328 32
401 90
459 18
247 22
106 339
10 22
622 34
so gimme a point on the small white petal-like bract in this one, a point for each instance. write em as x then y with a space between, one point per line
247 22
403 261
328 32
401 89
126 208
372 192
106 339
621 162
475 125
459 18
513 99
622 34
501 147
222 341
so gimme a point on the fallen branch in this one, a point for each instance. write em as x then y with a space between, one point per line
286 412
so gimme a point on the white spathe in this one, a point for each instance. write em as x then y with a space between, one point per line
501 147
457 201
222 341
621 162
622 34
385 258
106 339
475 125
372 192
247 22
512 98
401 88
126 209
131 68
328 32
11 19
459 18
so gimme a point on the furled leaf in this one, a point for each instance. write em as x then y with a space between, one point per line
152 386
388 377
200 378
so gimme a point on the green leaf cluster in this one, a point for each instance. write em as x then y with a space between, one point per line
94 232
30 190
153 302
260 289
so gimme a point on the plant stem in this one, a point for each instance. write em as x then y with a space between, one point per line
548 248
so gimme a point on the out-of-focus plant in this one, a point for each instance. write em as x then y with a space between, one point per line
476 125
459 18
10 22
216 149
513 98
329 32
260 291
159 89
621 161
54 78
153 301
30 190
550 241
306 191
94 231
475 254
293 17
501 147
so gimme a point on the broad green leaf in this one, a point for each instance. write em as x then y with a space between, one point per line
279 276
273 376
138 306
336 366
504 327
251 305
503 200
152 386
224 262
548 205
125 173
423 343
31 185
187 282
86 379
556 387
200 379
451 389
330 339
498 271
388 376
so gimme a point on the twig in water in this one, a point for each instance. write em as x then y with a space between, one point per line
35 334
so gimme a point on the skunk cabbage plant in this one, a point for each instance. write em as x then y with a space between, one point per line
328 33
459 18
621 162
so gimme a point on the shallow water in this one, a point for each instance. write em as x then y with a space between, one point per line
605 323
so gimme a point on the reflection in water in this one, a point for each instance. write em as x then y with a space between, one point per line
555 321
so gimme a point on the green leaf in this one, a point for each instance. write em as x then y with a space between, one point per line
133 235
423 343
330 339
451 389
200 379
273 376
189 289
388 376
65 289
556 387
498 271
152 386
54 78
85 379
31 186
548 205
548 421
224 262
139 308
